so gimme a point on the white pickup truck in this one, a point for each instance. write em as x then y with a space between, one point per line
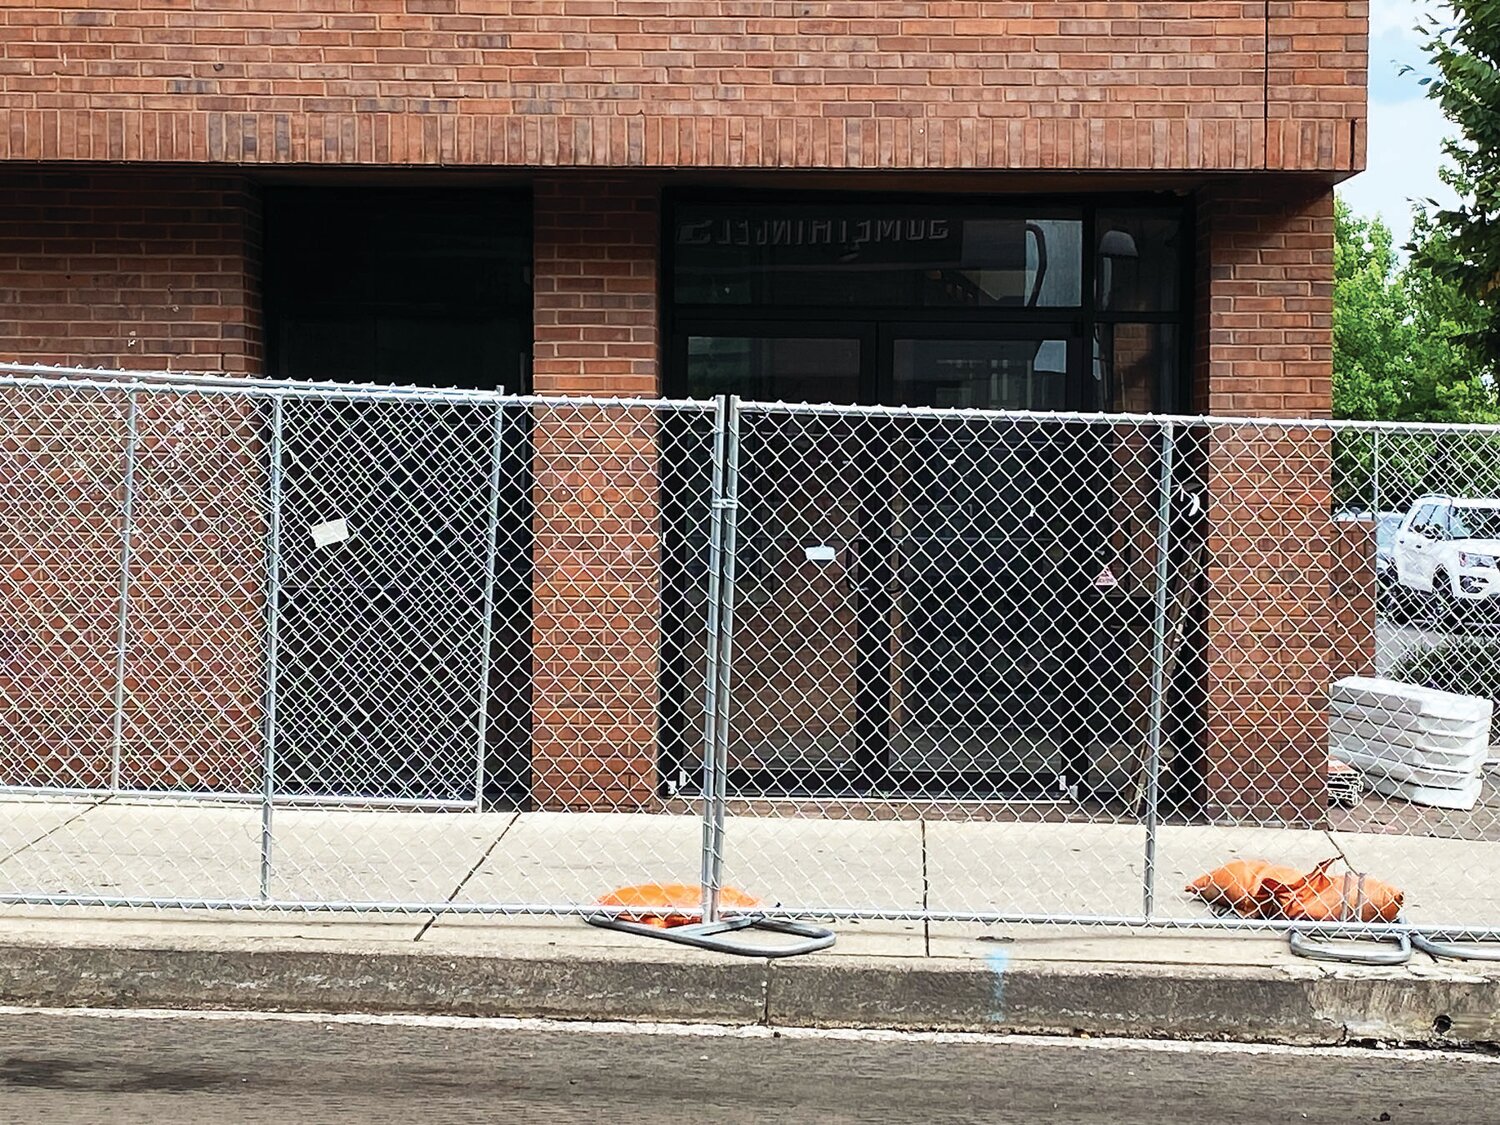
1448 547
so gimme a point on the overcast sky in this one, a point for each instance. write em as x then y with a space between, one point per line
1406 127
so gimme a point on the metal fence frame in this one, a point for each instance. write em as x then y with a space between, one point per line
133 385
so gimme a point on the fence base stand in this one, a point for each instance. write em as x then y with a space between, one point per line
1456 950
716 936
1393 949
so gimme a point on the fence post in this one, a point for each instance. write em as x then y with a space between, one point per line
722 527
127 552
491 551
273 617
1375 508
1158 666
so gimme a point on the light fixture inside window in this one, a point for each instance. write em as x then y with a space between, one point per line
1118 244
1114 245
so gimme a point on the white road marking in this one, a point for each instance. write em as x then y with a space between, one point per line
759 1031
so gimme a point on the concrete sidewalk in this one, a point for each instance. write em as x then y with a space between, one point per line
883 974
160 850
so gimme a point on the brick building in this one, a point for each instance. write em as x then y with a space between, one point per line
852 201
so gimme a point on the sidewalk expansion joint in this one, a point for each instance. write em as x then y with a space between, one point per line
478 863
29 844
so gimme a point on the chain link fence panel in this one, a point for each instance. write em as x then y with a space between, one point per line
339 647
374 648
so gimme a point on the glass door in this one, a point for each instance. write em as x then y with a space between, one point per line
991 542
912 599
795 617
943 638
984 372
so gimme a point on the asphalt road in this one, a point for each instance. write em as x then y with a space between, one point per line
72 1068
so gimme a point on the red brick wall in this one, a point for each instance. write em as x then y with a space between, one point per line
1265 299
194 609
196 642
145 270
1284 614
1315 84
595 278
1270 600
141 270
61 469
810 83
596 607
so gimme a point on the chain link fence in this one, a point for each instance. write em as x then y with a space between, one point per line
304 646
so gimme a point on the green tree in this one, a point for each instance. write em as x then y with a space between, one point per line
1404 349
1405 335
1464 46
1452 376
1372 327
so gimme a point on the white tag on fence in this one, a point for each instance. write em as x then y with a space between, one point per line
327 534
821 554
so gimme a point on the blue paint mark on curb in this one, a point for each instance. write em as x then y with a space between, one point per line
998 962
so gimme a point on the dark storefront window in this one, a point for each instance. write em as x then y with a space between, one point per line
1139 262
914 257
418 287
1138 362
1075 307
1025 374
399 285
764 367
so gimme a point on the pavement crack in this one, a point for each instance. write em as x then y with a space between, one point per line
478 863
926 925
83 812
765 993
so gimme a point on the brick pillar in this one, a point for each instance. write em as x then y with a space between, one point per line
597 546
141 270
1284 613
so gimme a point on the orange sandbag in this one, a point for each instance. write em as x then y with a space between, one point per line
660 904
1240 885
1320 897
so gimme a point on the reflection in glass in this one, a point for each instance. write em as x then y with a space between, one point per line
1135 367
982 374
1139 261
918 257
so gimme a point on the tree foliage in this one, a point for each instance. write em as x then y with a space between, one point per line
1405 349
1403 334
1371 321
1463 44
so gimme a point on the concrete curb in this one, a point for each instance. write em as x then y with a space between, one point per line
1314 1006
1311 1006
